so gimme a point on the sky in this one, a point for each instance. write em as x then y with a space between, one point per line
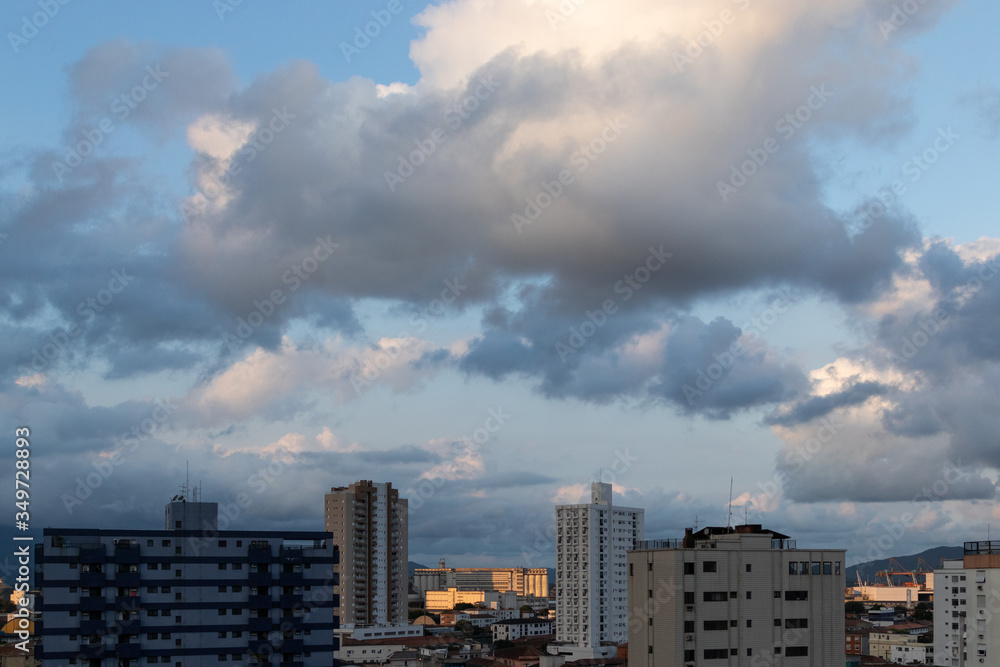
733 257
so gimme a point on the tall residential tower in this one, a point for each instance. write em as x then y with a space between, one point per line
369 523
591 581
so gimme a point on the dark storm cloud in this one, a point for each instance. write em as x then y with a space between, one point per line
814 408
937 409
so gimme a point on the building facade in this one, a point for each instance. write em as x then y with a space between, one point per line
967 607
521 627
368 521
189 595
591 584
524 581
739 596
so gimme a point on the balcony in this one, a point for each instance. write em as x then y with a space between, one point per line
92 651
128 602
291 645
93 627
259 553
94 603
290 555
93 553
126 579
126 552
92 579
260 647
259 602
260 624
129 627
259 578
289 600
130 650
290 579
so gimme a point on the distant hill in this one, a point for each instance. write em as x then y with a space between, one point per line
414 566
932 556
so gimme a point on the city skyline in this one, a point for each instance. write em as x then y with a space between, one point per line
730 257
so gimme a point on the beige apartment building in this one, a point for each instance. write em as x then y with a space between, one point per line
741 597
369 524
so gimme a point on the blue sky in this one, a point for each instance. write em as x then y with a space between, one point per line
841 368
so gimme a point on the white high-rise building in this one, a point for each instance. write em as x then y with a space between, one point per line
591 582
967 608
369 522
742 597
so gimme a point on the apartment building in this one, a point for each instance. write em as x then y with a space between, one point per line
188 595
966 607
368 521
591 585
740 597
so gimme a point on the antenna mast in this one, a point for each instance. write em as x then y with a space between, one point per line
729 519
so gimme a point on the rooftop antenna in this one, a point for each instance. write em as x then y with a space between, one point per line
729 519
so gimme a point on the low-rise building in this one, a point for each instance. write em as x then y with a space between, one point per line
913 654
521 627
882 641
856 641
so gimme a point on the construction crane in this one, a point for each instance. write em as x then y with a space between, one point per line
896 569
924 568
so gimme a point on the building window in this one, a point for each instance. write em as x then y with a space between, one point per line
711 626
713 596
796 651
827 567
749 567
716 653
688 568
709 566
222 566
791 596
166 543
796 623
688 625
749 623
149 543
777 622
748 595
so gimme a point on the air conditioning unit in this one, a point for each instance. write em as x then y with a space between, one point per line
689 638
